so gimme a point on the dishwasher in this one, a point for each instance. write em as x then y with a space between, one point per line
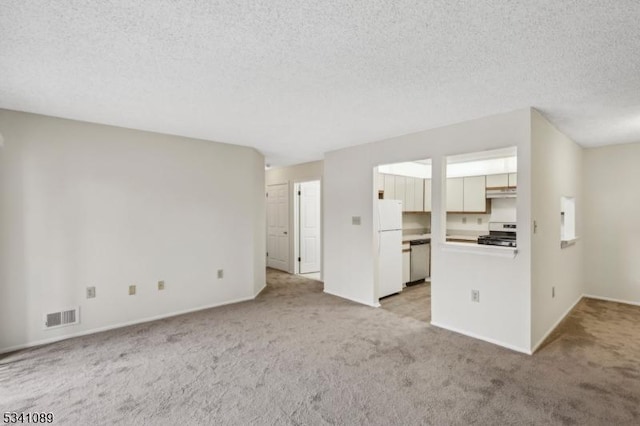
420 260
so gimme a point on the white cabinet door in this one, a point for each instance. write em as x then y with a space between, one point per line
400 191
497 181
389 187
409 195
475 194
427 195
513 179
406 266
418 190
455 194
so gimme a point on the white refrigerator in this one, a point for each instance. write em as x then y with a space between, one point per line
389 233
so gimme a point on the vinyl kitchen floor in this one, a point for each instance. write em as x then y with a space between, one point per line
413 302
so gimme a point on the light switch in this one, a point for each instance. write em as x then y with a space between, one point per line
355 220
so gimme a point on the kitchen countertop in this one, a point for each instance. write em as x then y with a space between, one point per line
411 237
450 237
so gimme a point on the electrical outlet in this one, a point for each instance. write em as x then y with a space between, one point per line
475 296
132 290
160 285
464 220
91 292
355 220
553 292
479 221
220 273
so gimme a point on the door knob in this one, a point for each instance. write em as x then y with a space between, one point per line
285 232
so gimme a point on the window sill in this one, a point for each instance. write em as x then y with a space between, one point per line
568 243
483 250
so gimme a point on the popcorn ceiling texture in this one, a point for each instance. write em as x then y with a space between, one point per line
296 79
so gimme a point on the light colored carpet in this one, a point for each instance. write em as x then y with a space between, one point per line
413 301
298 356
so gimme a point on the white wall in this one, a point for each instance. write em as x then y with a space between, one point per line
556 172
503 315
91 205
290 175
611 211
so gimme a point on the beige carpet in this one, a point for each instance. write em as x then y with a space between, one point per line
298 356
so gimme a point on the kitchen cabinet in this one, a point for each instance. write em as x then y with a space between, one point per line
498 181
426 186
455 194
474 194
418 190
409 190
406 266
400 184
467 194
389 187
513 180
414 194
409 195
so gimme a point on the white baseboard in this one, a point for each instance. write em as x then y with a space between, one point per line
479 337
362 302
556 324
610 299
122 324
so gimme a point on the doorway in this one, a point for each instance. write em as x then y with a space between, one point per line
278 226
307 228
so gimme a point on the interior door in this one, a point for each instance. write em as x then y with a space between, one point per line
310 227
278 226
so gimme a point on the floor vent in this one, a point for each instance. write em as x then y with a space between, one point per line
62 318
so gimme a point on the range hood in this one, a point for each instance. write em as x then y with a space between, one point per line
506 192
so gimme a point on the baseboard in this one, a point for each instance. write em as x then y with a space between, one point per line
122 324
479 337
555 325
375 305
610 299
259 291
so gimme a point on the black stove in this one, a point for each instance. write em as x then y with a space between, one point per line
500 234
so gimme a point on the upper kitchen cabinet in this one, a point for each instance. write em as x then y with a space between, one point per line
389 187
414 194
406 182
498 181
502 180
466 195
475 194
427 195
399 191
455 194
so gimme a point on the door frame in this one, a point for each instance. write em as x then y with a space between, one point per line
296 226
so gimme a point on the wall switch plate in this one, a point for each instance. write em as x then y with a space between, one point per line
464 220
160 285
475 296
220 273
355 220
479 221
91 292
132 290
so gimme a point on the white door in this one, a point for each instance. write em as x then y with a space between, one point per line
310 227
278 226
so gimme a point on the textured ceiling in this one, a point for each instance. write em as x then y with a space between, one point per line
297 78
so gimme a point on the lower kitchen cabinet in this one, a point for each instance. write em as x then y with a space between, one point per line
406 266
